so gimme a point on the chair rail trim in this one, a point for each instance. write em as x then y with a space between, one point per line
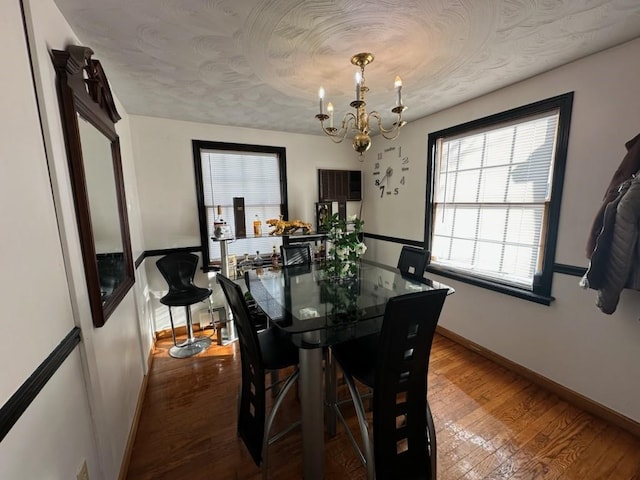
18 403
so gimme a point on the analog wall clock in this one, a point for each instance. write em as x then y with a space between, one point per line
390 171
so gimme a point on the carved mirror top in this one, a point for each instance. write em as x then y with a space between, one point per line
86 78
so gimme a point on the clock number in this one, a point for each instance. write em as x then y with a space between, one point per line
402 180
405 160
395 191
377 182
377 166
380 156
381 191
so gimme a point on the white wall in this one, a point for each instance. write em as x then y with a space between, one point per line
86 410
166 178
571 341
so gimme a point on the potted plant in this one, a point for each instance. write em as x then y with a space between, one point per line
344 238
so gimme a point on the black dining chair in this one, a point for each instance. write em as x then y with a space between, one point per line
295 254
260 353
395 364
178 269
413 261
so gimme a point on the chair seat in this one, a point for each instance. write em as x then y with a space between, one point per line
358 357
183 298
277 349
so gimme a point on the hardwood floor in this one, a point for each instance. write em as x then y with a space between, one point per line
491 423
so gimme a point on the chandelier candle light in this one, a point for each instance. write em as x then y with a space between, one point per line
361 120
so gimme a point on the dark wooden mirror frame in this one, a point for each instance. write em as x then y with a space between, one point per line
83 90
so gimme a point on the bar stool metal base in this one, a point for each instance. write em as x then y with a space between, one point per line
191 347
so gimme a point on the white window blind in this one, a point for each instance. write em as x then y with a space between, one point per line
253 176
491 196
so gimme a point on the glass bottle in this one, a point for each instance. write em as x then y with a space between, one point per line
257 226
258 260
218 224
245 265
274 258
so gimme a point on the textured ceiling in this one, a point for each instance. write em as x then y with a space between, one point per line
259 64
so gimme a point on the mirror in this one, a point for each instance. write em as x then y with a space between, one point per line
93 150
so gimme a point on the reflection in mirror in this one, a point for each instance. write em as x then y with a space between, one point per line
93 149
103 207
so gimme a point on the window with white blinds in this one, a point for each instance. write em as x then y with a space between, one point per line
256 176
492 192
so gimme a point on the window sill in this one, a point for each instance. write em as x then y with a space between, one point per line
496 287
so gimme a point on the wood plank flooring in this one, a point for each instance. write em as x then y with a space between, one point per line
491 424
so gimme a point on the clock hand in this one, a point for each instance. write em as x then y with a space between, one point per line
387 174
385 177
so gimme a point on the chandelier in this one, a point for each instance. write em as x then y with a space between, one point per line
360 121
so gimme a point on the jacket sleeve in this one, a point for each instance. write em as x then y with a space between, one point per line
594 277
622 250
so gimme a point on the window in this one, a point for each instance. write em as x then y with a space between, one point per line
494 191
227 170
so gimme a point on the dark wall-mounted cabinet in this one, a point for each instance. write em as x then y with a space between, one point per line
339 185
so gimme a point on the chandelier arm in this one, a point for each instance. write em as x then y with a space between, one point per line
337 136
391 133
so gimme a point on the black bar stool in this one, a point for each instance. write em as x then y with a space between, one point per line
178 269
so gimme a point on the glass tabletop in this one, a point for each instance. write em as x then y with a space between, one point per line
320 310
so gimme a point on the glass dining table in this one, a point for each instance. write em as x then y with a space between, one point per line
319 311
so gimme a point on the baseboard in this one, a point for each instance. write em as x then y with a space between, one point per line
561 391
124 468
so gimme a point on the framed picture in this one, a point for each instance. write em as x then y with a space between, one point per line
323 210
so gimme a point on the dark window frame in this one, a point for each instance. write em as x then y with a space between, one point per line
543 282
199 145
